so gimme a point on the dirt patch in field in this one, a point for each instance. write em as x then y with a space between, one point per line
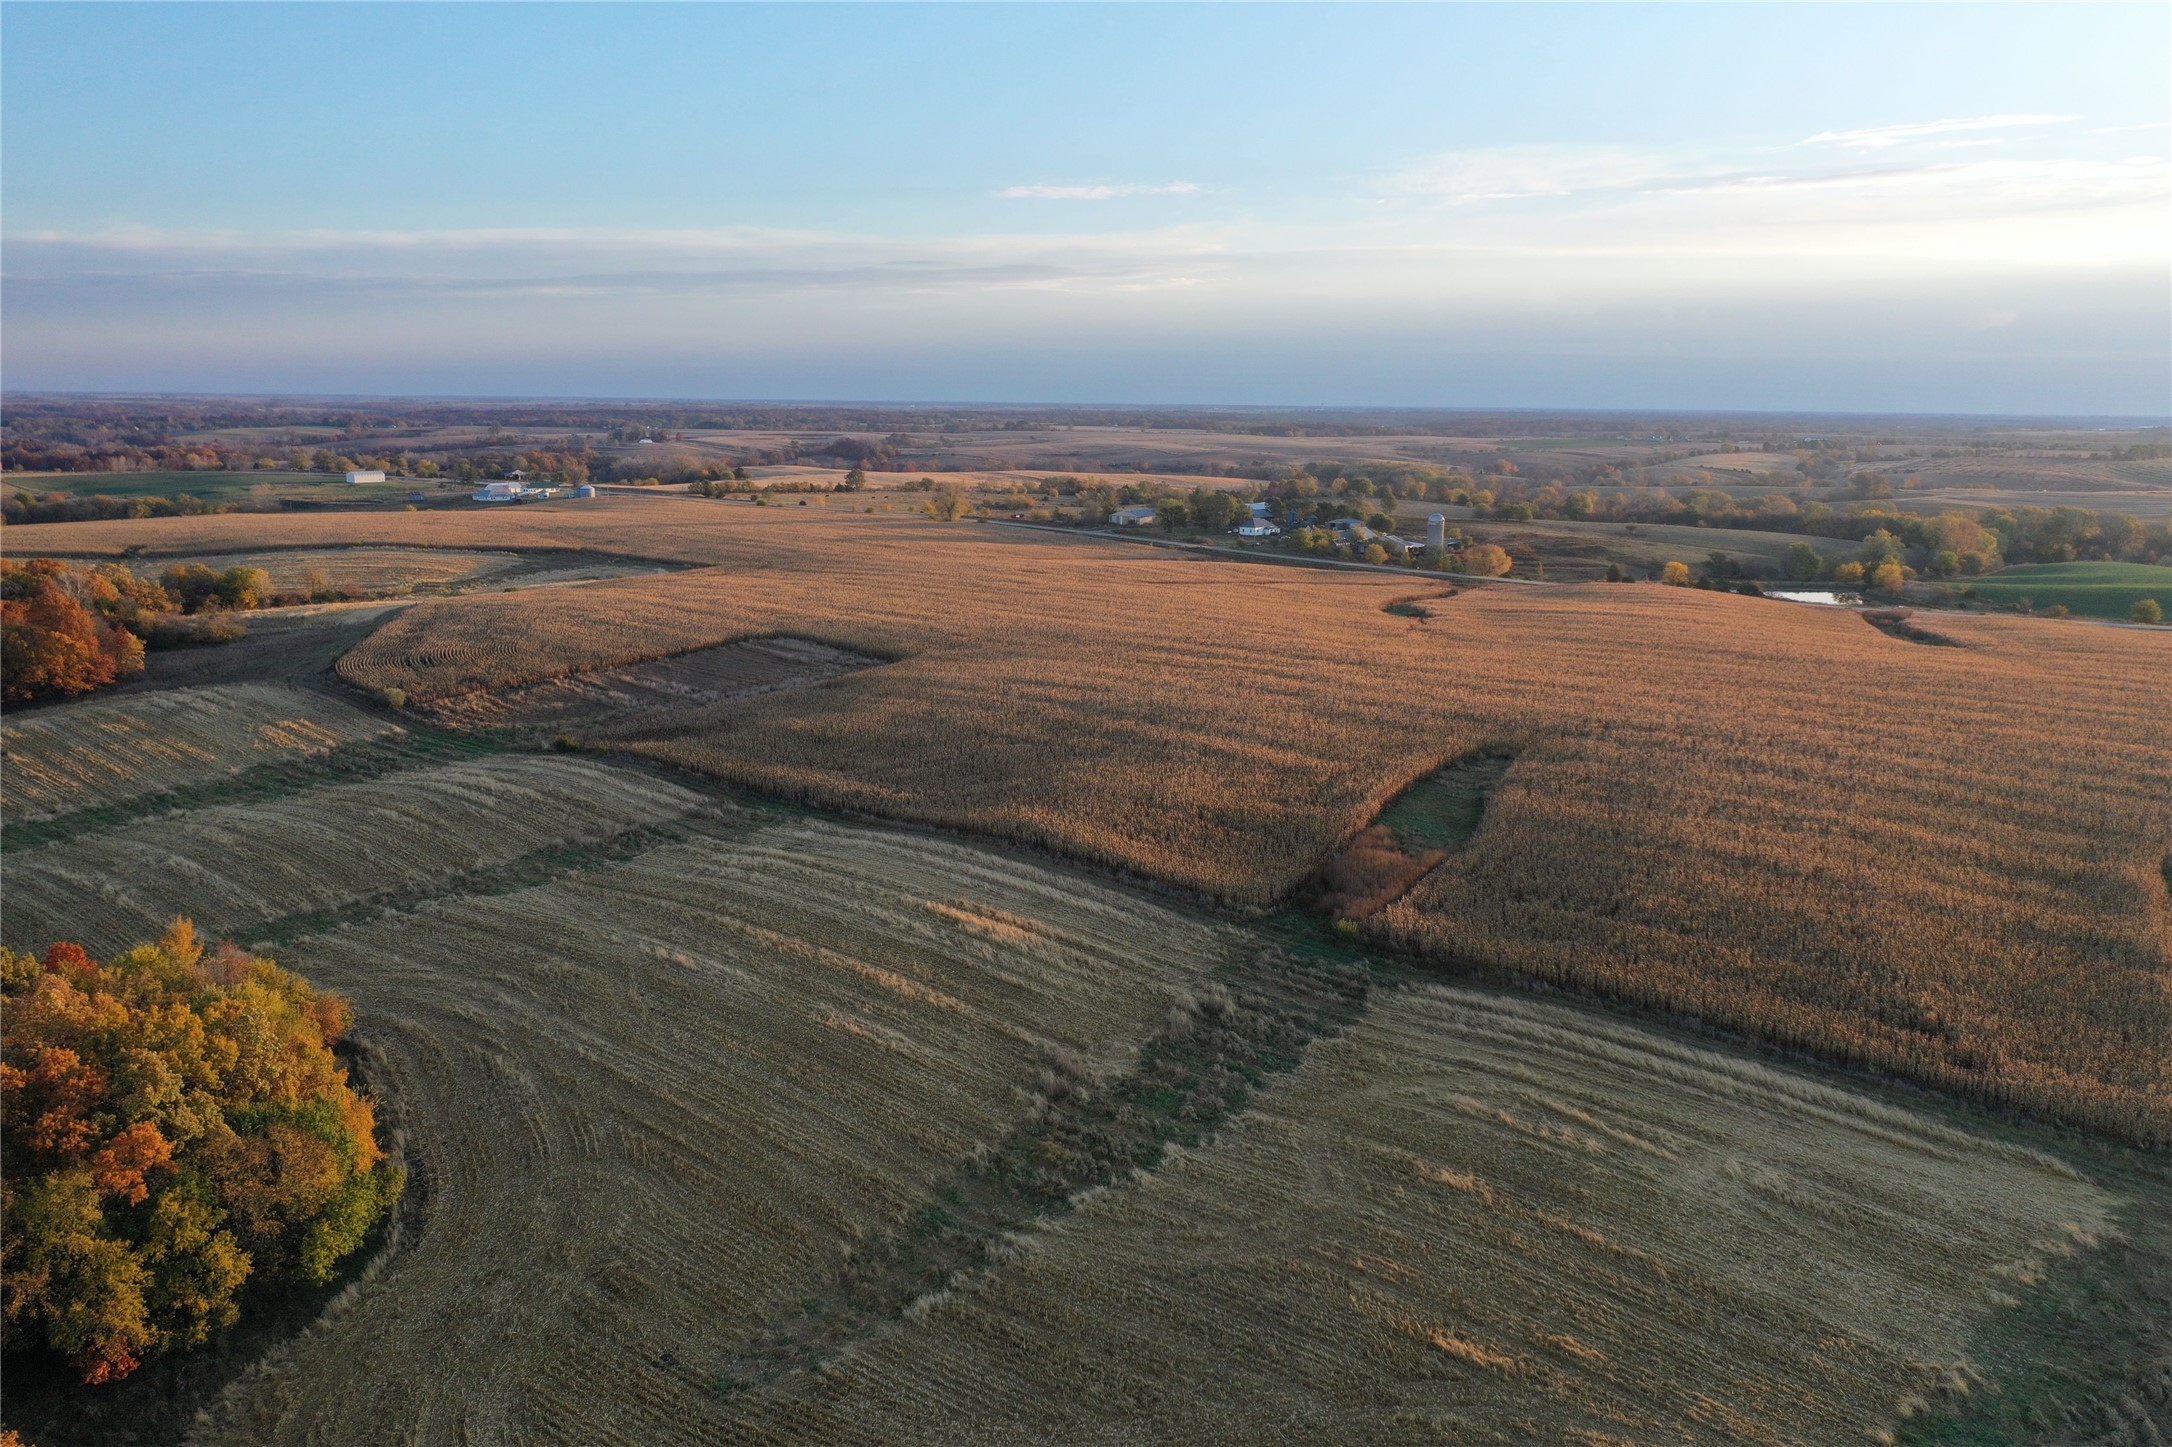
580 702
1899 623
1418 829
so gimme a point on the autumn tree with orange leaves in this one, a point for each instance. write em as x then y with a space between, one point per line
51 642
175 1125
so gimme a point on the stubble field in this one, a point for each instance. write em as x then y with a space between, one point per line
234 866
108 751
1477 1220
654 1106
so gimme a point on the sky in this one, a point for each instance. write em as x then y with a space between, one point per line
1890 208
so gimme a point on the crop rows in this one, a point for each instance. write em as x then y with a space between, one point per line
362 571
234 866
1945 862
1474 1220
600 697
108 751
653 1104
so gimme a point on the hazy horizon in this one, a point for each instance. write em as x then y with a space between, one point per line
1540 208
2108 421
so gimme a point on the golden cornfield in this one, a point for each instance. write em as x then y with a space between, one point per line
1942 862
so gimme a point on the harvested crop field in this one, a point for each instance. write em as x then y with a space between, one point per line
1477 1220
235 866
639 692
92 754
650 1107
361 571
1943 862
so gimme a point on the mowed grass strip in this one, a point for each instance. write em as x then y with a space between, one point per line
100 752
237 865
1481 1220
1945 862
654 1105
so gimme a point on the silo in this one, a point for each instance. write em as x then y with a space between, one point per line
1436 532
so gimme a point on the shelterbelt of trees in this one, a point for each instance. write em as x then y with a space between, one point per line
176 1126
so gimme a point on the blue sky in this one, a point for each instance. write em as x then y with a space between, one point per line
1943 208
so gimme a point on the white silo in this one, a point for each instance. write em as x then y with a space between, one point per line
1436 532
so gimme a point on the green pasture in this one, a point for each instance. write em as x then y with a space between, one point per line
2093 590
215 486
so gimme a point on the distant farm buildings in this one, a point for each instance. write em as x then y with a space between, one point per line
1133 517
365 474
500 492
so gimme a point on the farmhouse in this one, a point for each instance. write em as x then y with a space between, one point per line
1133 517
366 474
500 492
1257 528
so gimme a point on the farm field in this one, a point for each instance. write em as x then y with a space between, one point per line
1480 1220
1579 551
397 572
366 571
235 866
652 1099
669 1070
2145 505
266 485
1754 812
602 697
101 752
2093 590
655 1104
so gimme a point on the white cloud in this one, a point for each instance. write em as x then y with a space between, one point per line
1524 173
1879 136
1094 193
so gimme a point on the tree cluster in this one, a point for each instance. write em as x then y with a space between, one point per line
68 630
61 507
176 1126
61 631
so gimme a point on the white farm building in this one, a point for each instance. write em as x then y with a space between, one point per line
501 492
365 474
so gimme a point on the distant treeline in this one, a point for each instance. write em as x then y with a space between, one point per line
60 507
